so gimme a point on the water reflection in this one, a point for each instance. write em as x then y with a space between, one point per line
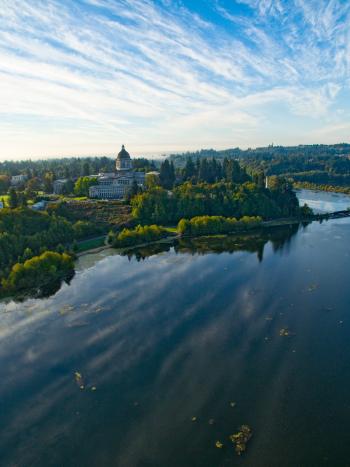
322 201
180 335
279 237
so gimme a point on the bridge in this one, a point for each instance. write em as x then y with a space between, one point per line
334 215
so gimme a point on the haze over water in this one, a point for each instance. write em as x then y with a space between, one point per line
180 334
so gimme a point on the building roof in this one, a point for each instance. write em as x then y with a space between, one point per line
123 154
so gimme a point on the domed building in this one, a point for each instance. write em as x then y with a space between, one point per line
117 184
123 161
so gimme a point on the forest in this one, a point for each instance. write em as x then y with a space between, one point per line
317 164
38 274
25 233
158 206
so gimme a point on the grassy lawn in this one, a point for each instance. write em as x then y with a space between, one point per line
90 244
73 198
4 199
172 229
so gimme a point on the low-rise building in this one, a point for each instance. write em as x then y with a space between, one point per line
18 179
59 185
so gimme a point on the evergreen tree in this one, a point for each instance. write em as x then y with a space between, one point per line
13 198
167 175
189 170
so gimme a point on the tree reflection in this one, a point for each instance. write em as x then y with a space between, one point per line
280 238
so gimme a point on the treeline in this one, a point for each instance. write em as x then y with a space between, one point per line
267 153
67 167
38 273
315 186
322 178
219 199
212 170
141 234
211 225
25 233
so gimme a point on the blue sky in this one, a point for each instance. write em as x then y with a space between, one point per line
84 76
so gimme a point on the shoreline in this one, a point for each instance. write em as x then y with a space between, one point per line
264 225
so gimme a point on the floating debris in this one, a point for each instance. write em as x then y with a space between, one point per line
79 380
66 309
241 438
93 388
211 421
77 324
268 318
136 404
341 322
193 419
233 404
312 287
219 444
285 332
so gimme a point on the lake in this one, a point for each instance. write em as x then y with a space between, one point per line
150 358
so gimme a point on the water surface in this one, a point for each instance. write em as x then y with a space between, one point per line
323 201
176 332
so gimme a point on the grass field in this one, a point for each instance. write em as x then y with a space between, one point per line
90 244
4 199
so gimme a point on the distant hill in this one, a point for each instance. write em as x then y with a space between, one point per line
268 152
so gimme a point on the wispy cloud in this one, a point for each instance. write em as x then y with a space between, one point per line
82 77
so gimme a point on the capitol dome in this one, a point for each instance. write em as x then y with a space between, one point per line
123 161
123 154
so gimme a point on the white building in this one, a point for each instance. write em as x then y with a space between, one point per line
59 185
18 179
116 185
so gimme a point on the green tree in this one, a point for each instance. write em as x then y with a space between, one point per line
4 184
13 198
82 185
167 174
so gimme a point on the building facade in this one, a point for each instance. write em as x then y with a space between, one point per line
59 186
116 185
18 179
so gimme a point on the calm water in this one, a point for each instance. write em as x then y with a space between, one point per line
165 336
321 201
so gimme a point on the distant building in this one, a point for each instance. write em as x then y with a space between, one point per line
18 179
59 185
117 184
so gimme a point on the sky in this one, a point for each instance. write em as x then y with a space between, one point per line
83 77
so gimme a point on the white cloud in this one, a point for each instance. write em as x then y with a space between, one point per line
148 72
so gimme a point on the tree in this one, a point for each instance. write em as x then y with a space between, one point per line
167 174
22 199
4 184
48 182
82 185
86 169
189 170
38 272
152 180
13 198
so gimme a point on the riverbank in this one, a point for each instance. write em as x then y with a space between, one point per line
325 188
170 238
